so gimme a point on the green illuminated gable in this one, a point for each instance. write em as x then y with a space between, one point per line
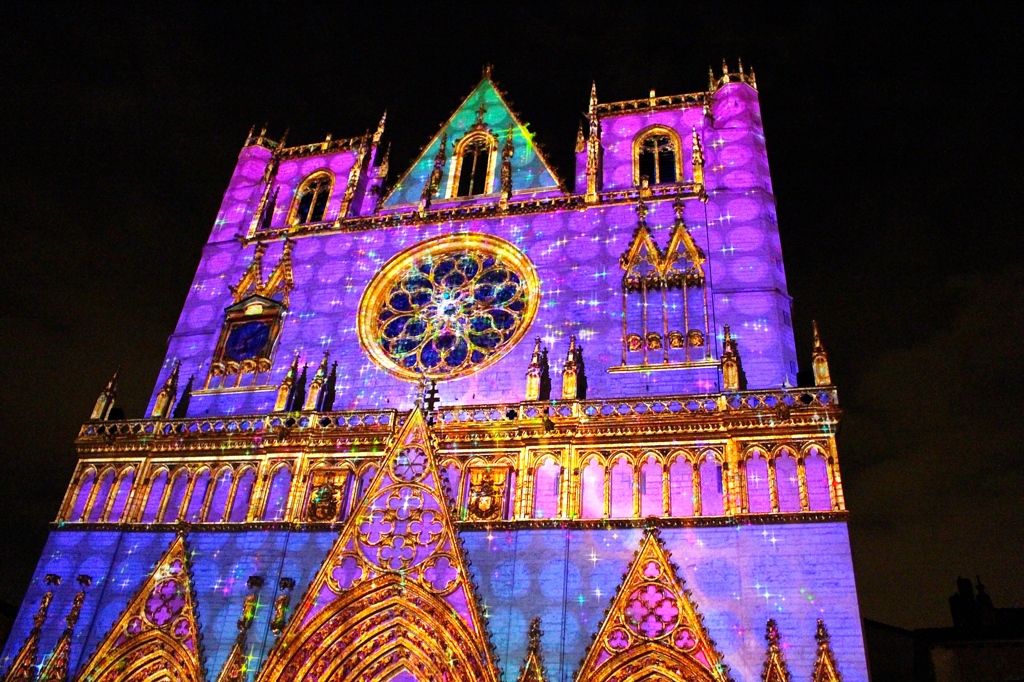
530 172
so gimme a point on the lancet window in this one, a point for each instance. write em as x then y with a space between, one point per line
664 299
474 162
311 199
656 157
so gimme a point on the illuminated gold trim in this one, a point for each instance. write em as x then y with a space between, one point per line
676 143
309 179
379 287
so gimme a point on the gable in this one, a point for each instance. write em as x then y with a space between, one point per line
530 171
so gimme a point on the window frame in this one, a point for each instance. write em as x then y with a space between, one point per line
293 211
458 157
660 131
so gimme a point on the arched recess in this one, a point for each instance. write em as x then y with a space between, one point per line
100 494
657 156
243 495
311 198
759 495
374 632
651 488
278 493
712 497
157 486
545 491
592 488
651 663
680 474
816 470
453 471
120 498
178 487
787 480
197 500
88 481
621 474
154 657
219 498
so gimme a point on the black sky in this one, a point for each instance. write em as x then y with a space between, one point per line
896 149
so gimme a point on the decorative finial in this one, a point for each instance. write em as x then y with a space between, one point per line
697 158
165 398
732 374
740 60
533 373
819 360
487 71
105 401
380 128
711 79
286 390
592 108
641 211
480 113
593 148
570 372
581 142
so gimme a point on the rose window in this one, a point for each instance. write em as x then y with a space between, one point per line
448 307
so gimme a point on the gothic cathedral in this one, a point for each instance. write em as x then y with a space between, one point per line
470 425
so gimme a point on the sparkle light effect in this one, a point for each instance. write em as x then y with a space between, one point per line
739 575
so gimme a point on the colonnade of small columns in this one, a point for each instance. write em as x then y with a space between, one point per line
556 483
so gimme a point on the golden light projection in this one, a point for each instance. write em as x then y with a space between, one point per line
448 307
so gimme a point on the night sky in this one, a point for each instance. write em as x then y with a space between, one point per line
896 150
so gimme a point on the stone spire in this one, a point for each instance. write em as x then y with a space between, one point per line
698 159
181 406
326 401
23 669
533 373
732 372
317 384
775 669
570 371
819 361
235 667
506 169
532 669
434 181
105 401
593 148
57 666
825 663
285 390
165 398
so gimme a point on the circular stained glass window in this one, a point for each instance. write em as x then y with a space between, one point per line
448 307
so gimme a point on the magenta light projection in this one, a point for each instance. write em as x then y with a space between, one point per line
465 422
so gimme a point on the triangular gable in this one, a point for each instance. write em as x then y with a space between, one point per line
825 664
652 625
533 665
281 280
643 257
394 592
775 668
157 632
530 171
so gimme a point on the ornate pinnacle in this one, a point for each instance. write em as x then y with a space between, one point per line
711 79
819 360
581 142
697 158
321 371
535 634
380 128
641 211
741 65
571 355
821 636
592 108
677 206
771 634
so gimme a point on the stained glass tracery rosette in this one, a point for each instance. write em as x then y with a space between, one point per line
448 307
402 532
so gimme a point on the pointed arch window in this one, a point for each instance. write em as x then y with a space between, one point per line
656 156
311 198
474 161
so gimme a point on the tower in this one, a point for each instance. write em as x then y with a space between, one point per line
306 514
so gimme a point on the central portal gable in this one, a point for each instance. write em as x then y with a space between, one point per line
652 630
393 596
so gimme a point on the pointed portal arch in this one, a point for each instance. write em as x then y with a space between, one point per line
157 636
652 630
394 594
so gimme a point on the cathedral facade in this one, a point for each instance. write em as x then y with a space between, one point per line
471 424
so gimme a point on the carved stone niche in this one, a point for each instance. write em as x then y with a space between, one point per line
488 491
326 494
